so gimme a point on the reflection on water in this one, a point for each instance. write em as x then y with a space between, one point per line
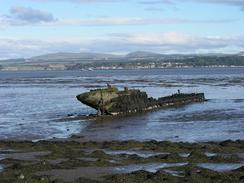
221 167
150 167
2 157
33 102
1 168
138 152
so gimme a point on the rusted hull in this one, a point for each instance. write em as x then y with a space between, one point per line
111 101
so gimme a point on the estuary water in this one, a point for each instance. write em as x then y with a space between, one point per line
34 104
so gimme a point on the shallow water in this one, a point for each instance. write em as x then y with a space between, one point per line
34 104
96 173
150 167
2 157
221 167
140 153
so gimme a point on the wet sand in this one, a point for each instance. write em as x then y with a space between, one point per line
74 160
42 105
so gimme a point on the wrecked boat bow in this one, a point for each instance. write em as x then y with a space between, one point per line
112 101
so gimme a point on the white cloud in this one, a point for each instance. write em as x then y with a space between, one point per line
3 22
22 16
178 42
19 16
30 15
238 3
165 42
82 1
229 2
105 21
111 21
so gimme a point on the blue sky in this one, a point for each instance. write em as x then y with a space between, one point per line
33 27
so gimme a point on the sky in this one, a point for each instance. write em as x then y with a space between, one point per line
35 27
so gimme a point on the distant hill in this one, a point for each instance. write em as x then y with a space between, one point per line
139 59
12 61
143 54
92 57
241 53
69 57
86 56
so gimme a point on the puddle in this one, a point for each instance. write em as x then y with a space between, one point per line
184 155
96 173
151 167
140 153
175 173
57 161
221 167
209 154
2 157
28 156
1 168
88 159
240 155
5 151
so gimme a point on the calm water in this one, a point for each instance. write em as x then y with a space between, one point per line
33 104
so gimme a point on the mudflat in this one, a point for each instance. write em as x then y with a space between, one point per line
75 160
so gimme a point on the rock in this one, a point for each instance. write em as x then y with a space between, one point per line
198 171
21 176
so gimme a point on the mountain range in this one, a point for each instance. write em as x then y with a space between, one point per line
88 57
139 59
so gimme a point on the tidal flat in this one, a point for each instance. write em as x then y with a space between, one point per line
46 135
73 160
38 105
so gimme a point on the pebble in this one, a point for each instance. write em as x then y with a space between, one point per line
21 176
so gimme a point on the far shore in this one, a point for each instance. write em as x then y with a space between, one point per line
63 68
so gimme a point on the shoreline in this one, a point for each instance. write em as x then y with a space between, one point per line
121 69
72 159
